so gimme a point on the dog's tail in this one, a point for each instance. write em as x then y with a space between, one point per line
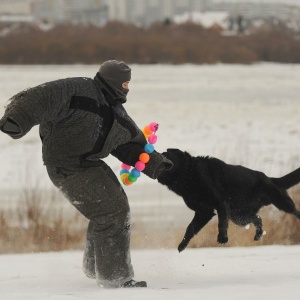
288 180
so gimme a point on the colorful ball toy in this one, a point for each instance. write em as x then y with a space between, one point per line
127 175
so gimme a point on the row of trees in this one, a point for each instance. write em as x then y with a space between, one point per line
161 43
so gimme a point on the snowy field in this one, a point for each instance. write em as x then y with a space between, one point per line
263 273
247 115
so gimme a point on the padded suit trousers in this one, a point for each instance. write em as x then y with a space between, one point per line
98 195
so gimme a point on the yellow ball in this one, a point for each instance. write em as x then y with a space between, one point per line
123 176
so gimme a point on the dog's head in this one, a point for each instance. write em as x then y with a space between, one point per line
179 158
181 162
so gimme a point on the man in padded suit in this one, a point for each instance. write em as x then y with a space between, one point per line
82 121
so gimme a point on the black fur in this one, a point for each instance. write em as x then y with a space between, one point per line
235 192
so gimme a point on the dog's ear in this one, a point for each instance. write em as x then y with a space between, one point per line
173 150
174 154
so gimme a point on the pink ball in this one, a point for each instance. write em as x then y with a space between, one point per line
124 166
153 126
152 139
140 166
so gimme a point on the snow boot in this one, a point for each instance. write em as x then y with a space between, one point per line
134 284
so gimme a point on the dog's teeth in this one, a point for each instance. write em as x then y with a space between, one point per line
264 233
247 226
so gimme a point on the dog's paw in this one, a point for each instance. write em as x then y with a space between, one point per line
258 235
222 239
182 246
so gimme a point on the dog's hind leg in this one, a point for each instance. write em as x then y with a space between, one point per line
200 219
284 202
297 214
257 221
243 219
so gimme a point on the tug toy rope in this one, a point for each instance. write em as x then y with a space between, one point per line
127 175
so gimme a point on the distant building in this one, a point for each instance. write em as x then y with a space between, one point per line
211 20
16 7
71 11
139 12
16 11
145 12
254 10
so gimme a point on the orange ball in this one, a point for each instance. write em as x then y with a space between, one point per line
144 157
147 130
127 182
146 135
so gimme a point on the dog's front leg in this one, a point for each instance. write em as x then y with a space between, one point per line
223 224
200 219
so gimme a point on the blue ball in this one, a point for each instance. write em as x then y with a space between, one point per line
149 148
124 171
135 173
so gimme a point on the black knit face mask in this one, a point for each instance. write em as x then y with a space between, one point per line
122 93
117 74
125 87
119 89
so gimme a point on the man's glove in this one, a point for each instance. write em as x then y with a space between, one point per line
157 164
166 165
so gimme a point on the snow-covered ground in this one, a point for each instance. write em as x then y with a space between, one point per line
267 273
247 115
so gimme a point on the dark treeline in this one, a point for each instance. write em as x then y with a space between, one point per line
171 44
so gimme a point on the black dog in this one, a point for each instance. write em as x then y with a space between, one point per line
235 192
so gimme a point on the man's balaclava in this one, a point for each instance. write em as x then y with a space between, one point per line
116 73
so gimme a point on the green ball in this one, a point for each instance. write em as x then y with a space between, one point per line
131 178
